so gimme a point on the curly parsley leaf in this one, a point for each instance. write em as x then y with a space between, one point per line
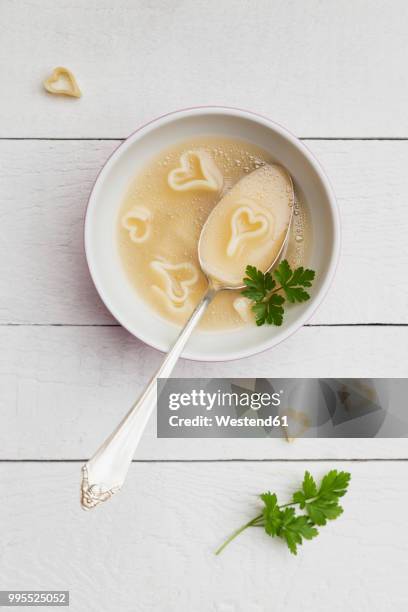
294 281
308 491
270 312
319 503
335 484
263 290
322 504
295 528
285 524
258 284
271 513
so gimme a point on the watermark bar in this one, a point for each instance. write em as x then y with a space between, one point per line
34 598
282 408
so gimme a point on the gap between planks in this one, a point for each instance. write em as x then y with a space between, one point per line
118 325
315 460
123 138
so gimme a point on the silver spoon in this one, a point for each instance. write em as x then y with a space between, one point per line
105 472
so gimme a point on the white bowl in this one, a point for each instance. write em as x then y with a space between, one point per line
113 181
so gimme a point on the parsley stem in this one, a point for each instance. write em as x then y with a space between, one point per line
307 500
270 293
252 523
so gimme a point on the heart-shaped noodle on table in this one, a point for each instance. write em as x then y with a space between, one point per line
197 171
62 83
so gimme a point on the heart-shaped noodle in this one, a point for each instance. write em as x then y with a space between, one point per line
297 416
62 83
176 280
246 224
197 170
137 222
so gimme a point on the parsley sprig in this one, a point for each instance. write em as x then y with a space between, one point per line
320 504
266 290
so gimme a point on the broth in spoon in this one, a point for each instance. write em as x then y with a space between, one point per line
248 226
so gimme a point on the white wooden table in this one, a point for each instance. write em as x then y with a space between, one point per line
335 74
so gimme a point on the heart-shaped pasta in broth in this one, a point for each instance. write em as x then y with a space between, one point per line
197 171
174 282
137 222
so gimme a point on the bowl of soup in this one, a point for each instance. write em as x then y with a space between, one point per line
151 200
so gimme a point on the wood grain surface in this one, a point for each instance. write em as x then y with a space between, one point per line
151 549
321 68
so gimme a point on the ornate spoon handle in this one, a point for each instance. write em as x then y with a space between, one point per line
104 474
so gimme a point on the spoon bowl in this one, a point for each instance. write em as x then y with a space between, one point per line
265 198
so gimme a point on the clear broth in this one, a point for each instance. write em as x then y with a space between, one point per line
170 224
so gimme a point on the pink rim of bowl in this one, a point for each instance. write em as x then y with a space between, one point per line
307 312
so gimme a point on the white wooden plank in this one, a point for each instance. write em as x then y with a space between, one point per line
371 182
321 68
45 186
151 548
63 390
